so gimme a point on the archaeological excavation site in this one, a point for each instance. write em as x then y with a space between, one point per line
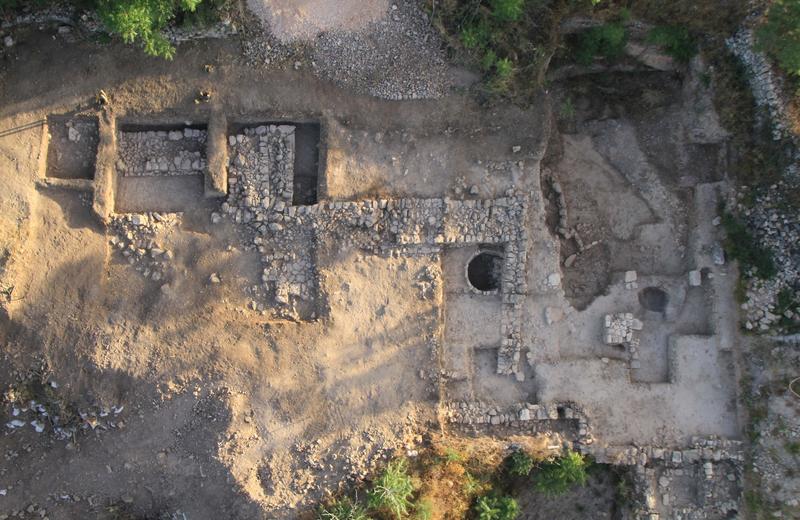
399 259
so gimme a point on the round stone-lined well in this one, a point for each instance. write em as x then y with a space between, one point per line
485 271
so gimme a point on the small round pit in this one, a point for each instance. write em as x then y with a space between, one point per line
653 299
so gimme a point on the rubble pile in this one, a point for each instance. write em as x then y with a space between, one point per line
779 231
134 236
162 152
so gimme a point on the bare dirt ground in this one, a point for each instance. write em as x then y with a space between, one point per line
291 20
188 393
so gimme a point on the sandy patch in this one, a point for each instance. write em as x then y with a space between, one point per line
292 20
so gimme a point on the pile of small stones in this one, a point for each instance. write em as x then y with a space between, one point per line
620 328
778 230
134 237
399 57
162 152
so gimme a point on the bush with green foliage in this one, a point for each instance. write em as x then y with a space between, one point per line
392 490
519 464
676 40
779 36
503 74
744 247
144 21
606 40
507 10
343 509
476 35
558 476
496 508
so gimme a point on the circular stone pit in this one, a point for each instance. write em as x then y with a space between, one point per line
485 271
653 299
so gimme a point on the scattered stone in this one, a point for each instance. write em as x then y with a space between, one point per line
73 135
718 254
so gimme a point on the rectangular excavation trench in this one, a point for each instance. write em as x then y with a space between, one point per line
160 167
306 164
71 146
307 142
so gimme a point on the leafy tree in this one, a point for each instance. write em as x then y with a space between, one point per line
343 509
780 34
496 508
557 476
144 21
392 490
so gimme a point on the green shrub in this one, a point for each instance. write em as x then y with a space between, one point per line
557 476
343 509
519 464
489 60
504 68
496 508
676 41
392 490
779 36
606 40
144 21
507 10
742 246
476 35
503 74
567 109
793 447
473 485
